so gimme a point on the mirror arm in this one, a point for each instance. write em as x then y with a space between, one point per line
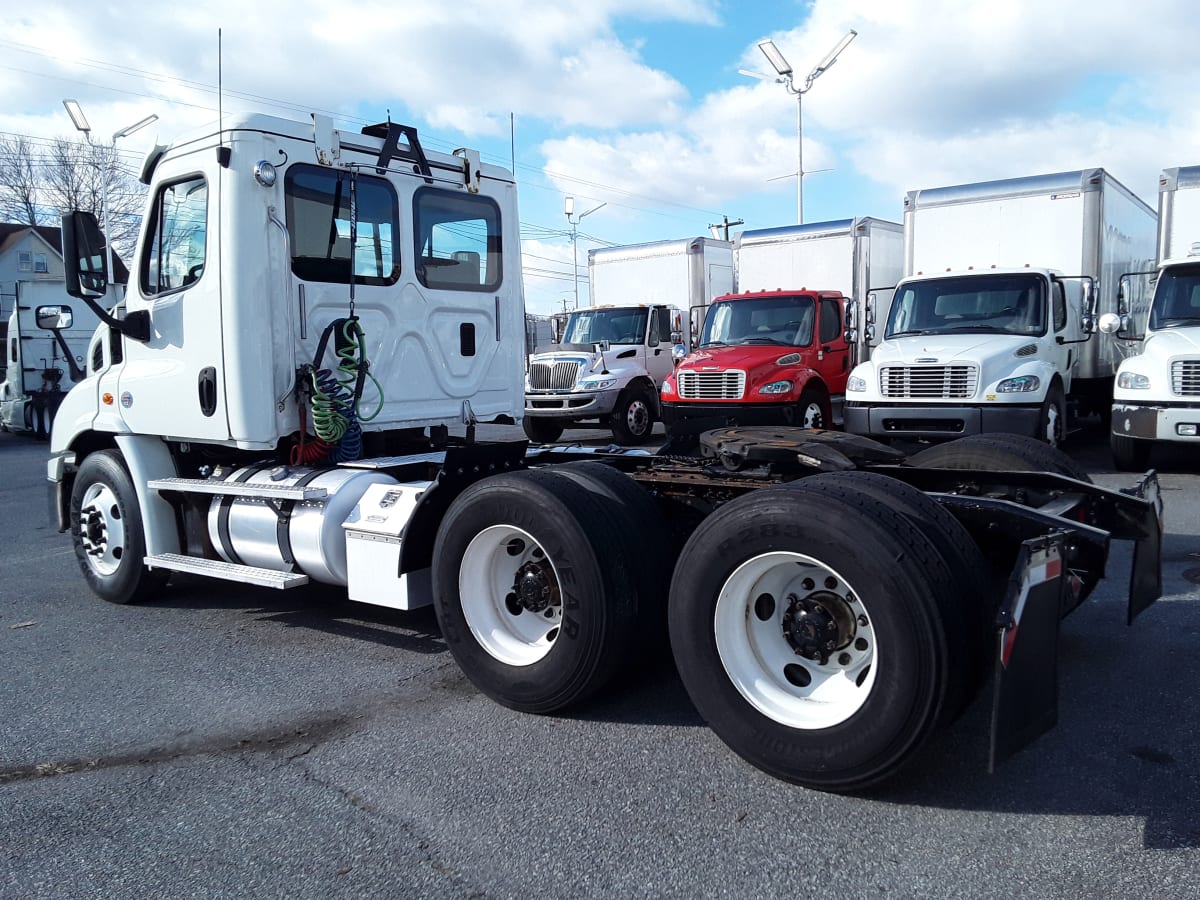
77 374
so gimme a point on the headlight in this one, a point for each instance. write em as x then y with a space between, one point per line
596 384
666 388
1022 384
776 387
856 384
1132 381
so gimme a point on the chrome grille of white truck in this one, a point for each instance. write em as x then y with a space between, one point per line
1185 377
727 385
928 382
553 376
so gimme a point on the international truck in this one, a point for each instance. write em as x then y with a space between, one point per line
764 358
316 323
613 355
862 258
45 351
993 327
1156 399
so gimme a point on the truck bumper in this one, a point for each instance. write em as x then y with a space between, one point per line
693 418
1157 422
571 406
939 422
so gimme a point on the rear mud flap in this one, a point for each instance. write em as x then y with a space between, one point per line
1145 578
1025 698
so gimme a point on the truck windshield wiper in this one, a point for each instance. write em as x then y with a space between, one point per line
1173 321
990 329
910 331
713 344
763 340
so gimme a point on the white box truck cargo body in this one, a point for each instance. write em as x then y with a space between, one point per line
992 327
684 273
1157 393
861 258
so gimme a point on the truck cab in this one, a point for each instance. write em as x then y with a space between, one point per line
605 372
972 352
764 358
1157 394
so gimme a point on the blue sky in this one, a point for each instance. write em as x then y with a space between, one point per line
638 104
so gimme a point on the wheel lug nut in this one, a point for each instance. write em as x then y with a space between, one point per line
844 659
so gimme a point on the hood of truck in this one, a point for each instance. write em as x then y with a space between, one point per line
620 360
948 349
758 361
1171 342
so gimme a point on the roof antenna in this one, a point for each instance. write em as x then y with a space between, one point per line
223 152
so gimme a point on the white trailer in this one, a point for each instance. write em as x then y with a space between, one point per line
614 355
993 327
45 353
1157 394
314 310
861 258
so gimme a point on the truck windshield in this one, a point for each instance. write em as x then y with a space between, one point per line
983 304
786 320
617 326
1176 298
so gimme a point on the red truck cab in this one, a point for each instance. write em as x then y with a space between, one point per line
764 358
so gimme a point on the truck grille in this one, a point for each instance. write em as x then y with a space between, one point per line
553 376
1185 377
728 385
928 382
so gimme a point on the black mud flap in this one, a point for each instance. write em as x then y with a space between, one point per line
1025 699
1145 578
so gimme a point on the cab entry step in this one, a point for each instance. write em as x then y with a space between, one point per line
215 568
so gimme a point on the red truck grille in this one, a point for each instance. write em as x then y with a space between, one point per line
928 382
1185 377
555 376
727 385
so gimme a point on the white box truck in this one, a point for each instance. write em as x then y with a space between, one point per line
45 353
614 355
1157 393
281 411
993 327
861 258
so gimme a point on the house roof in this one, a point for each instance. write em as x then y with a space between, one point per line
11 232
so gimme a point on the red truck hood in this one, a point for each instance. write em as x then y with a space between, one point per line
741 356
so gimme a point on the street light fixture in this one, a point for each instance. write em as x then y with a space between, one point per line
569 209
787 79
75 111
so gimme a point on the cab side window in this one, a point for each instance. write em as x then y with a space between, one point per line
831 319
177 240
1059 304
457 241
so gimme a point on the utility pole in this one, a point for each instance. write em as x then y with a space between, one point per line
569 209
722 228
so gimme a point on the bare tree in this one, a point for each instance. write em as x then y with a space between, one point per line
18 182
36 188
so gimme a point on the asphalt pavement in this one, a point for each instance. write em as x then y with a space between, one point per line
230 741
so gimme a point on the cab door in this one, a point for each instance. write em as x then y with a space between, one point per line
833 353
659 361
173 384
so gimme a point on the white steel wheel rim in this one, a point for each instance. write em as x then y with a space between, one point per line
487 575
813 416
758 657
102 529
637 417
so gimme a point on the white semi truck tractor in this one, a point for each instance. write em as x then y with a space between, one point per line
312 311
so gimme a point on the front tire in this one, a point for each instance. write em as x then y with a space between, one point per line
633 419
542 431
813 411
1052 423
818 647
107 530
1129 454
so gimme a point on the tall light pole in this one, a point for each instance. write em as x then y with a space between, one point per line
569 209
75 111
786 78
